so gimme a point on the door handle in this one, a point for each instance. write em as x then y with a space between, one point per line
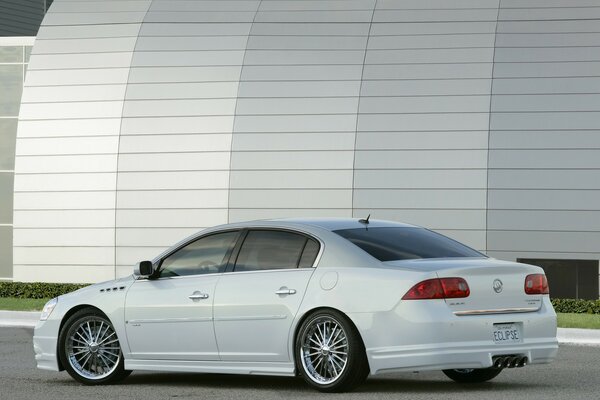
285 290
198 296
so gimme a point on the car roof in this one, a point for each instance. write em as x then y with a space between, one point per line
333 224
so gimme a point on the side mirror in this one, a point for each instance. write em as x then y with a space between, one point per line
144 268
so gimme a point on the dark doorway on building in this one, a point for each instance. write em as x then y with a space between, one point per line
569 279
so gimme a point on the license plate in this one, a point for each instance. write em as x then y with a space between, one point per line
506 333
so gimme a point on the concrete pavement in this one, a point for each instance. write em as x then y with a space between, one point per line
19 319
574 376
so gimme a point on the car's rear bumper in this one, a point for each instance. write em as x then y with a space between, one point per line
451 356
426 335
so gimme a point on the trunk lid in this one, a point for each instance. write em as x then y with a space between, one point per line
496 286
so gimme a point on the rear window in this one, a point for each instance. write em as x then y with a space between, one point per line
406 243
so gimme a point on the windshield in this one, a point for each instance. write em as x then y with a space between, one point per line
406 243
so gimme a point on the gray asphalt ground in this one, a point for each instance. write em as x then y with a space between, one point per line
575 375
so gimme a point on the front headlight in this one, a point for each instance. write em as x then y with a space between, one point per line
48 309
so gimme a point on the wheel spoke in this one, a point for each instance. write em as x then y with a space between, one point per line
321 335
108 353
333 366
318 363
79 341
104 344
106 338
331 337
105 331
89 332
335 338
84 339
99 331
323 367
105 360
338 341
343 362
85 360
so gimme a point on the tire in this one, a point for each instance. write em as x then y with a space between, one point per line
330 355
89 349
472 375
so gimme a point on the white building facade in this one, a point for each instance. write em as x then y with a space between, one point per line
144 121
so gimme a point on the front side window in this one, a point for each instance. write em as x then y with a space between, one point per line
269 250
204 256
406 243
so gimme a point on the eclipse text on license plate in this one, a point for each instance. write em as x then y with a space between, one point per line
506 333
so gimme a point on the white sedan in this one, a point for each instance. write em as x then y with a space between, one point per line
332 300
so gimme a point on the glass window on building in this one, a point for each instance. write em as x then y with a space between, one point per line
14 55
11 87
6 252
569 279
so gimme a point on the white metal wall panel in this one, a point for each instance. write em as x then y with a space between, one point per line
144 121
57 237
67 145
544 130
557 139
71 200
290 107
88 32
407 199
151 237
177 123
67 142
57 94
436 140
419 86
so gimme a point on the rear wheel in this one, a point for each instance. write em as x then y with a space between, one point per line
330 355
471 375
89 349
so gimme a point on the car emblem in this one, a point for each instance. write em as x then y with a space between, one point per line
497 285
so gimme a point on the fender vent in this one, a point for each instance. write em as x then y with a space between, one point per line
113 289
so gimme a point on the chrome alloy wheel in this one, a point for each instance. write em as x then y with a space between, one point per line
324 350
92 348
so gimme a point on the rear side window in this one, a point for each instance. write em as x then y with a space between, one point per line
270 250
406 243
309 255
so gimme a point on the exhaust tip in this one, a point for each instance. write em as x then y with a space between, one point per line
522 362
514 362
498 362
506 362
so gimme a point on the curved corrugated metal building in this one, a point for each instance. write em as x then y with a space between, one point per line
145 120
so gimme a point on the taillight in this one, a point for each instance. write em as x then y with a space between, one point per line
438 288
536 284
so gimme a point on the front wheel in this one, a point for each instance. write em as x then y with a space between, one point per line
89 349
472 375
330 355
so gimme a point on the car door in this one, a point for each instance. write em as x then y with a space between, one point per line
171 317
258 298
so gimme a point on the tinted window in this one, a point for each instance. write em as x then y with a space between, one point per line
265 250
387 244
309 254
204 256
